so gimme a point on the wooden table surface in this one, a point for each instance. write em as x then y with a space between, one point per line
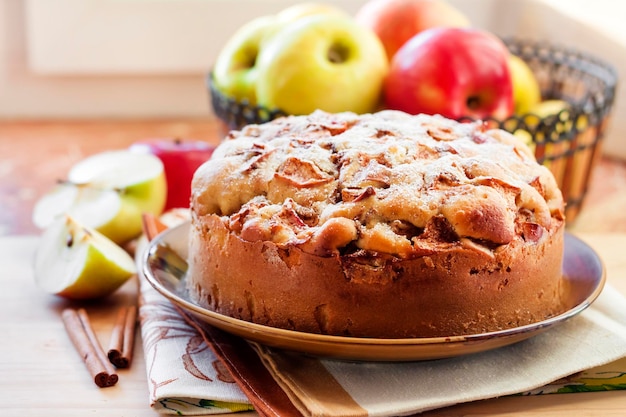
41 374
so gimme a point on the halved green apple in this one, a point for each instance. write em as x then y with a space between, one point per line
77 262
108 192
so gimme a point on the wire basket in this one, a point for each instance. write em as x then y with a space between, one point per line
567 142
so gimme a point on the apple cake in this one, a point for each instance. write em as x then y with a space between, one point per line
383 225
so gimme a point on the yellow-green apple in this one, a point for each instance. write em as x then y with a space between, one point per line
397 21
555 112
235 69
455 72
549 107
77 262
234 73
548 121
551 120
555 118
526 90
325 62
108 192
180 160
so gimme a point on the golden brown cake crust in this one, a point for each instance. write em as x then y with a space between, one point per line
382 225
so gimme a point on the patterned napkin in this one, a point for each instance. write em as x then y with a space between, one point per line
194 369
184 375
547 363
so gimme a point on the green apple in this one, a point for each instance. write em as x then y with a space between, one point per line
545 112
234 73
77 262
526 91
108 192
549 109
323 61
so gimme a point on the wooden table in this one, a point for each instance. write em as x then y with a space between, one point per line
42 375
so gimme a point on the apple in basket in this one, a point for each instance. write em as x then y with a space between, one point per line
455 72
397 21
526 90
325 62
108 192
234 73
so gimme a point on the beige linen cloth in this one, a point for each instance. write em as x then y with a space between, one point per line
194 369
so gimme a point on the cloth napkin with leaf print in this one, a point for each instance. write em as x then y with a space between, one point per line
184 375
193 369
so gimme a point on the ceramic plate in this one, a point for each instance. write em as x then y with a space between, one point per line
164 265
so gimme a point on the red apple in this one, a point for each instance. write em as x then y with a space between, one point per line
397 21
180 160
455 72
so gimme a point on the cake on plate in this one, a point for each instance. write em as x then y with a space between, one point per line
383 225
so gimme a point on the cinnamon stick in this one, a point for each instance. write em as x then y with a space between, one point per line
122 341
151 225
84 339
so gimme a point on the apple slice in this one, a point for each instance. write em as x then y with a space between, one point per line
108 192
77 262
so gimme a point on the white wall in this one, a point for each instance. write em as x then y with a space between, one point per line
36 81
26 93
104 58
